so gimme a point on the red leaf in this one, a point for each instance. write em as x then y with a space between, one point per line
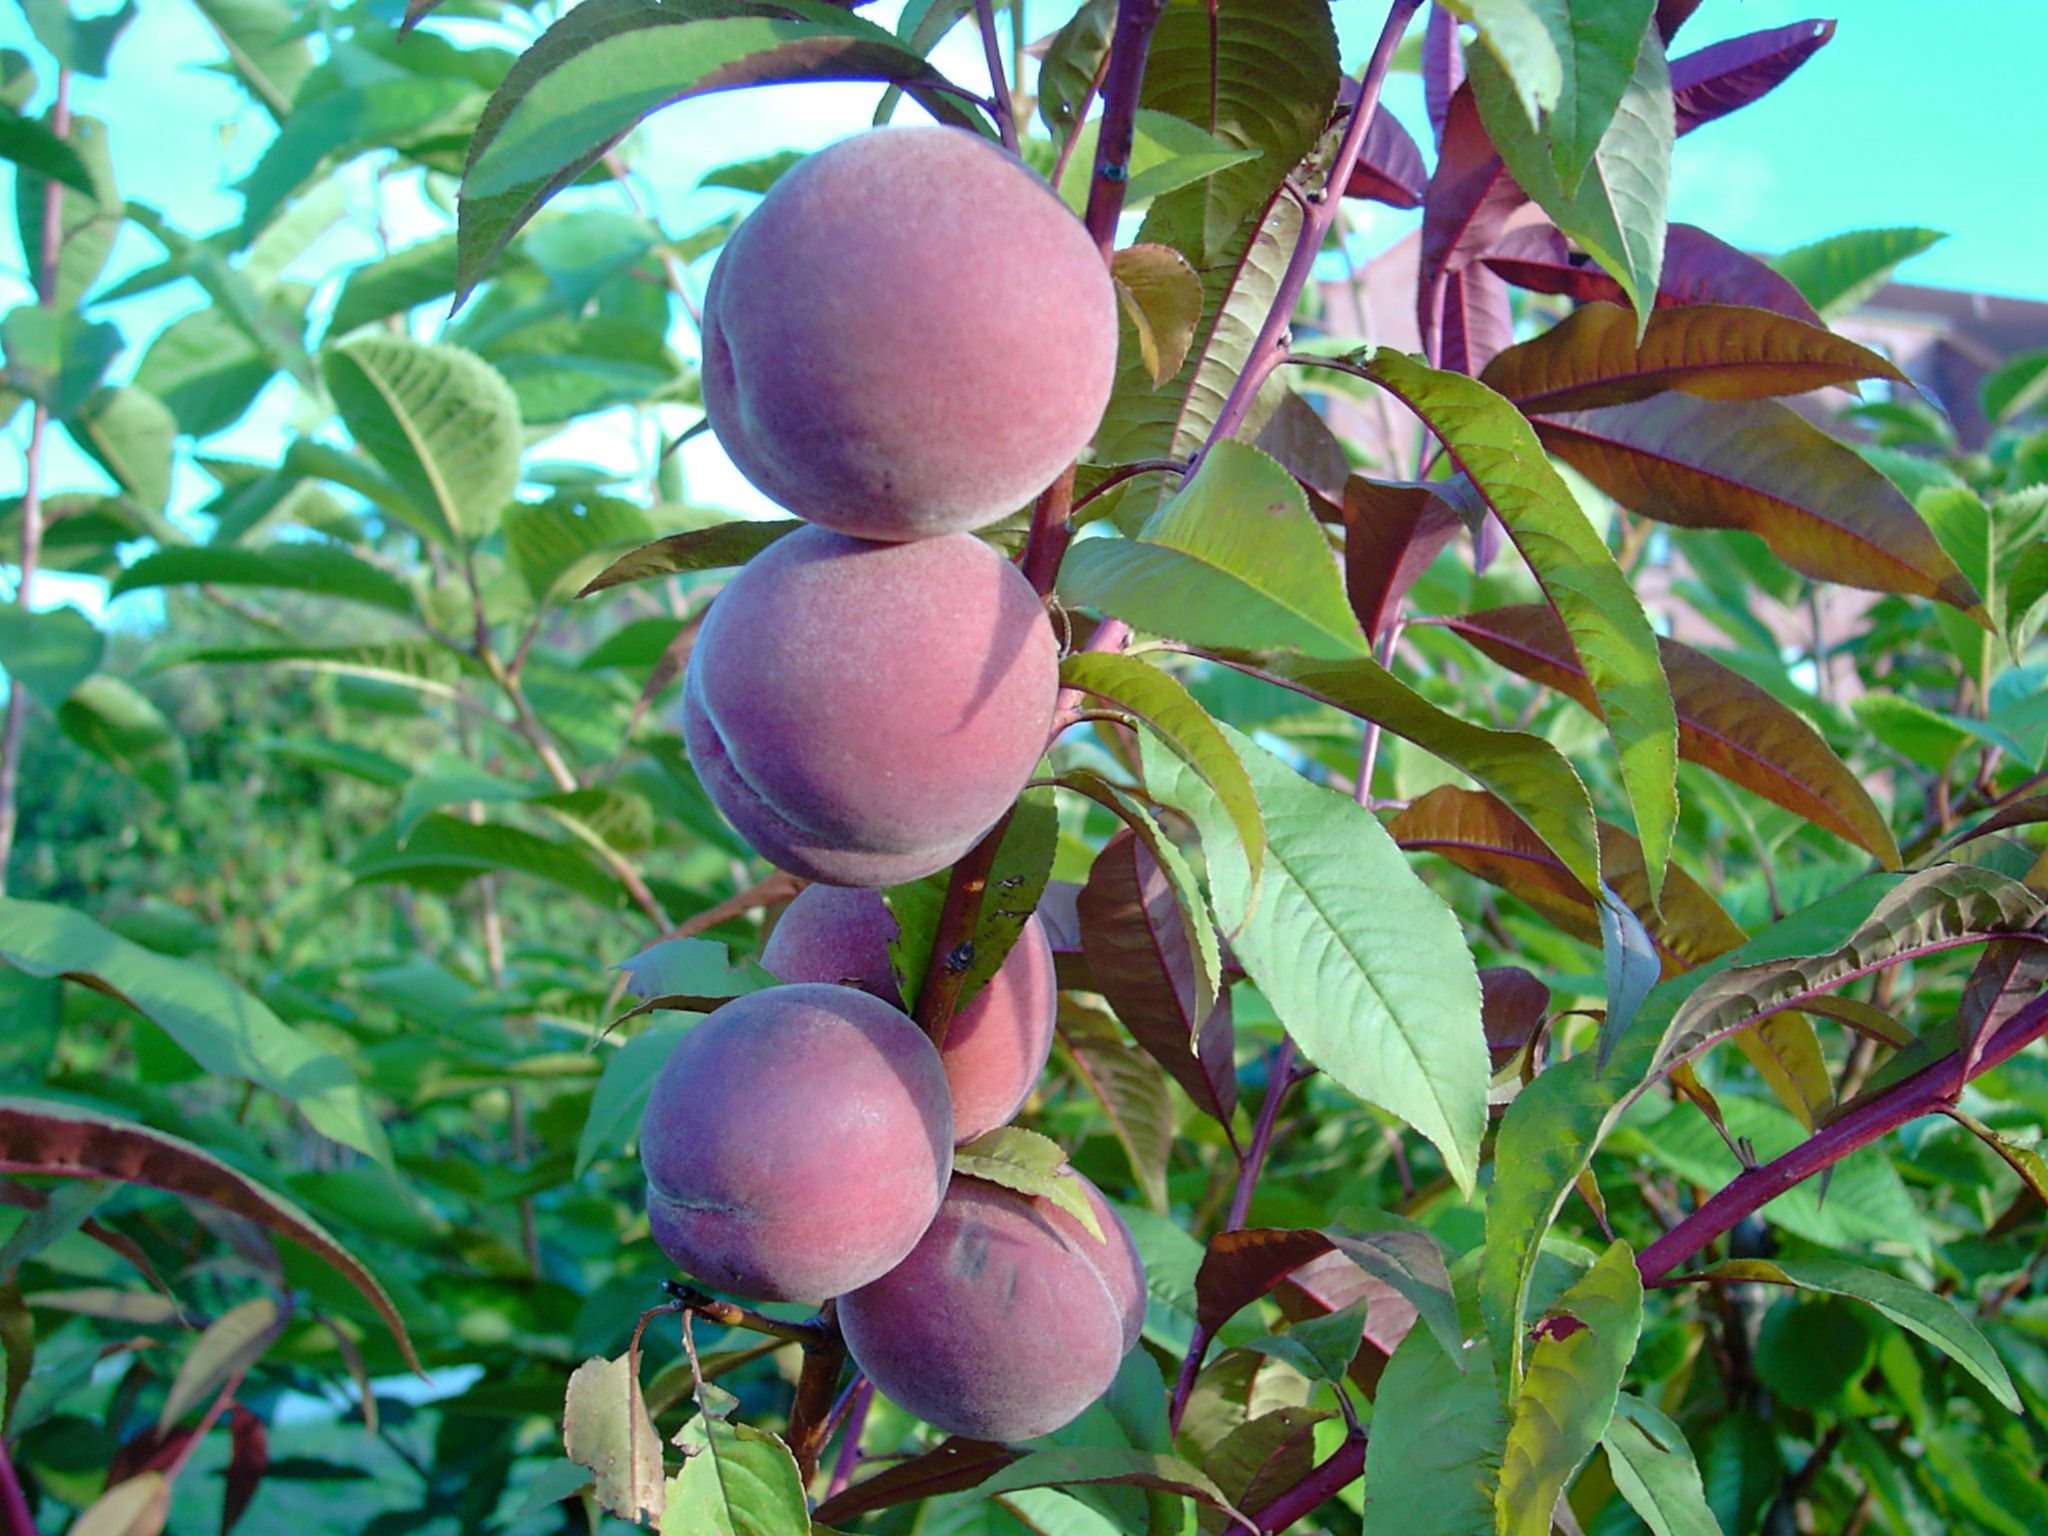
1240 1267
248 1460
1392 531
1594 358
1389 168
1137 953
1512 1003
1698 269
1465 208
63 1141
1332 1283
1671 15
1725 76
1726 723
1443 66
948 1467
1759 466
1477 322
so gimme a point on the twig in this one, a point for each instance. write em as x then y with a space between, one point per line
998 78
1342 1467
1925 1092
728 1314
1128 45
811 1411
849 1445
1279 1078
32 492
1369 749
13 1502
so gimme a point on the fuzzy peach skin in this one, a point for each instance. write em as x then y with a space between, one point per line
797 1143
861 712
1114 1255
995 1047
994 1327
911 335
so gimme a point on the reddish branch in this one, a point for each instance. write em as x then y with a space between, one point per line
1926 1092
13 1503
1337 1472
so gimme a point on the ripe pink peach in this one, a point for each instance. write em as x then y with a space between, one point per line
862 713
797 1143
1114 1255
995 1326
911 335
996 1046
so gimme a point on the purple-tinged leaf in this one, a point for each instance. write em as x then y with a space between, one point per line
1725 76
1443 66
1240 1267
1698 269
1389 168
1715 351
1465 208
1392 531
1513 1003
1138 954
248 1460
1759 466
1334 1283
950 1466
1672 14
1478 325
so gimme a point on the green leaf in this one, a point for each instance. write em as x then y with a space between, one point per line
738 1481
263 46
1234 559
49 653
606 1427
1837 274
1016 880
1030 1164
1597 43
440 422
233 1342
396 284
1131 1088
78 43
426 666
1321 1348
1073 56
1524 46
609 63
1936 1319
444 853
1653 1468
1526 772
1259 75
699 549
1158 699
61 1140
557 542
1562 1407
57 358
689 967
86 225
221 1027
31 146
1167 153
116 724
206 369
1363 963
1616 210
1492 443
2018 388
1759 466
337 127
326 569
1063 1466
1435 1451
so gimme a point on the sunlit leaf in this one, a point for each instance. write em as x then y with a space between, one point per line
606 1428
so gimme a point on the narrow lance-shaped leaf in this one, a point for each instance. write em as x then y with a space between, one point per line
1562 1407
1698 269
605 65
1722 77
1725 723
325 569
1433 1459
1760 467
1131 1087
1364 964
1837 274
699 549
224 1029
1491 442
1654 1469
60 1140
1715 351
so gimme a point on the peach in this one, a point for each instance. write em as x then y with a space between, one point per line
911 335
797 1143
995 1047
995 1326
862 713
1114 1255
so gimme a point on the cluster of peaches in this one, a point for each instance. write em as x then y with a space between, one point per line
909 338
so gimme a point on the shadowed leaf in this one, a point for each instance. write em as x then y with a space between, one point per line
699 549
1161 295
1392 531
1389 168
1433 1459
65 1142
1759 466
948 1467
1131 1087
1713 81
1654 1469
233 1342
300 567
1725 723
1698 269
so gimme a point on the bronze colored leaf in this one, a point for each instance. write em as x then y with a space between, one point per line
1715 351
948 1467
1698 269
1726 723
1759 466
1392 531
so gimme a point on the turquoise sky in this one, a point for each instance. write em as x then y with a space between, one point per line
1914 114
